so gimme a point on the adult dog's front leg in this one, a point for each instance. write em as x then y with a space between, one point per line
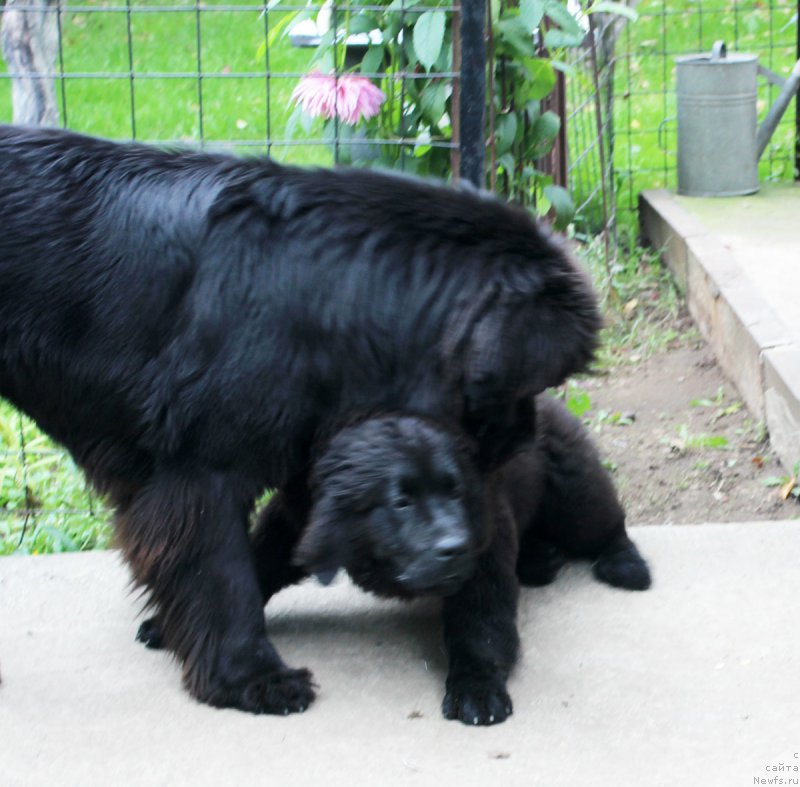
185 537
480 630
272 541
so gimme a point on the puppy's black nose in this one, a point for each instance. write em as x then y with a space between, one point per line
450 547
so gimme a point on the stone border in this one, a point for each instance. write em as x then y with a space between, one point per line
752 344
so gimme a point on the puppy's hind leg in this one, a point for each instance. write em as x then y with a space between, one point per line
185 537
539 561
620 564
481 634
279 528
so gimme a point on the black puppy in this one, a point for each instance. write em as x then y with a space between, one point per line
565 506
396 523
189 325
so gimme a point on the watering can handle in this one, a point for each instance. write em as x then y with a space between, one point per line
661 125
719 51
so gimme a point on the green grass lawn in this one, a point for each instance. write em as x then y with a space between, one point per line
45 505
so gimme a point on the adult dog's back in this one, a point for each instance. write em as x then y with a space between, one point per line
196 301
189 324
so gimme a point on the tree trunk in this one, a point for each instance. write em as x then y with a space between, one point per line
30 49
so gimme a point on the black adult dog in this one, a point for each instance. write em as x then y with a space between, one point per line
381 522
189 325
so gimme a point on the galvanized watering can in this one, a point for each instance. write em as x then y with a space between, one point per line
719 144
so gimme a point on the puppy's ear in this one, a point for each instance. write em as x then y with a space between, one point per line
322 550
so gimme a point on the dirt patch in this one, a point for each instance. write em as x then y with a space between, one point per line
682 446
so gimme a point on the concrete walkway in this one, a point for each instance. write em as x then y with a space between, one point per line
738 262
695 682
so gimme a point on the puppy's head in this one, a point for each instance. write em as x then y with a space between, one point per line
398 505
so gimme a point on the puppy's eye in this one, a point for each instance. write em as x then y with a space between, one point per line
401 502
449 485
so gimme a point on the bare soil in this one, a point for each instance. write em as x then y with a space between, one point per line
681 445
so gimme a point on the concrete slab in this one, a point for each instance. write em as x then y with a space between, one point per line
738 263
694 682
763 232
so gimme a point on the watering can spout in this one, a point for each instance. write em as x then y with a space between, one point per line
767 128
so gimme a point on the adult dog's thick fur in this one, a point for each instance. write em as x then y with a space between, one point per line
189 325
386 521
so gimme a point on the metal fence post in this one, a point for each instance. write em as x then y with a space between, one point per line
473 92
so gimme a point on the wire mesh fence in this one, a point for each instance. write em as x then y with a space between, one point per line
589 124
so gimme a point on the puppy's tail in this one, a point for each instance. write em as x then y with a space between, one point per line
621 565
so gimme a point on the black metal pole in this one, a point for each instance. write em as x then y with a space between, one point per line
473 92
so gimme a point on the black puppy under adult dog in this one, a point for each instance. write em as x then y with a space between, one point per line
553 500
189 325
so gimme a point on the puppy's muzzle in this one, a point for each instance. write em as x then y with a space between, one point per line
441 569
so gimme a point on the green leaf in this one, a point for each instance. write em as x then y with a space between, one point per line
558 14
445 61
411 52
505 131
707 441
361 23
542 77
773 480
514 38
531 12
533 110
556 39
280 29
429 37
422 145
542 134
372 62
506 161
578 401
291 122
565 68
564 207
608 7
433 100
323 54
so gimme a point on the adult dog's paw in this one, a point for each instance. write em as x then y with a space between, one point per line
477 702
280 692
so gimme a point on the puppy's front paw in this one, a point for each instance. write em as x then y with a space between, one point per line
475 701
280 692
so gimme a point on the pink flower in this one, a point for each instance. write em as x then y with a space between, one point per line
349 97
